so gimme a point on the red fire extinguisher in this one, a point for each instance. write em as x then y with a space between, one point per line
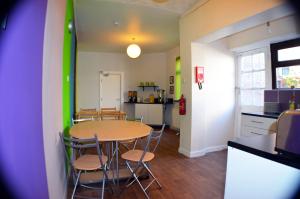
182 109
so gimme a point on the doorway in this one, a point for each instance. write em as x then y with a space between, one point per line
110 89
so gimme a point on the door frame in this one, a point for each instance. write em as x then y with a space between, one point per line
101 72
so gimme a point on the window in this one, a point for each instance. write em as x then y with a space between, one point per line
285 57
252 77
178 79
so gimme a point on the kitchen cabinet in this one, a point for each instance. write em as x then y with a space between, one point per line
152 113
254 172
255 125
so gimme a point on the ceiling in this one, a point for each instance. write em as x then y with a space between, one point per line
111 25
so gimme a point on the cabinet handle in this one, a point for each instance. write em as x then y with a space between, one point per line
257 122
255 133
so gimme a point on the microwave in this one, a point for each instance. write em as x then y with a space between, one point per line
288 133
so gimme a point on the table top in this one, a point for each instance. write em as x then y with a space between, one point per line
110 130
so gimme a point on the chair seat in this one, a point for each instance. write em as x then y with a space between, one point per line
135 156
89 162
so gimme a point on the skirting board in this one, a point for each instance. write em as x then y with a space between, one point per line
193 154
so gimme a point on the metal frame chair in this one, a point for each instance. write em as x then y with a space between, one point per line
80 162
142 159
126 143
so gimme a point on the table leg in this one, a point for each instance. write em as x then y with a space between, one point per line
117 161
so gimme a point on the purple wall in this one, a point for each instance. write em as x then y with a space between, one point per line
21 134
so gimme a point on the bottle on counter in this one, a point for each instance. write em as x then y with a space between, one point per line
292 105
151 98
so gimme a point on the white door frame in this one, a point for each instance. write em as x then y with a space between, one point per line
121 86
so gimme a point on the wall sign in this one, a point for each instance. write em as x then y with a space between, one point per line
171 79
171 90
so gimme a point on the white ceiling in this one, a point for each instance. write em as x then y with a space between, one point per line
110 25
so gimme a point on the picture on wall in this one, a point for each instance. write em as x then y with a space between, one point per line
171 90
171 79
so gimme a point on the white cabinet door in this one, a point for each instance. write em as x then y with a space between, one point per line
142 110
252 131
152 113
155 114
253 125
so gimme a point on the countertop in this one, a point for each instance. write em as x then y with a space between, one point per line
263 146
262 114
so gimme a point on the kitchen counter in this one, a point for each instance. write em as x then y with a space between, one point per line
255 170
263 146
262 114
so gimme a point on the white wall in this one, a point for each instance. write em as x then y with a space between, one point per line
212 16
52 99
171 66
213 106
172 112
260 37
148 67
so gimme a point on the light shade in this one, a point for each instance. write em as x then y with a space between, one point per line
133 50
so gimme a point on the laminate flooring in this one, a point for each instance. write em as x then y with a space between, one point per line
181 177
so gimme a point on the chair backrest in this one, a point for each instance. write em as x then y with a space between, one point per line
154 135
77 145
88 110
109 113
87 114
108 109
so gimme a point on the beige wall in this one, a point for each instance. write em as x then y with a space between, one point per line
148 67
210 17
52 99
172 112
171 65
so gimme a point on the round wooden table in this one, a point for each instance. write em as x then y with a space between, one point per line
110 130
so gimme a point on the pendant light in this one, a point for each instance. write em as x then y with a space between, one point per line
133 50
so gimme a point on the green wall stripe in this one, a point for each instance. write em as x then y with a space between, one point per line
66 74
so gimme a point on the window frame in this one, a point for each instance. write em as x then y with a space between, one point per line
239 55
274 48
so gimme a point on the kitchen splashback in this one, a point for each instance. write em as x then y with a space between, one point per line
282 97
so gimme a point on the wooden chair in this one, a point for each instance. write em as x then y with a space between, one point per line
80 162
142 159
108 109
88 109
87 114
109 114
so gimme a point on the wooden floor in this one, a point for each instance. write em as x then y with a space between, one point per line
181 177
